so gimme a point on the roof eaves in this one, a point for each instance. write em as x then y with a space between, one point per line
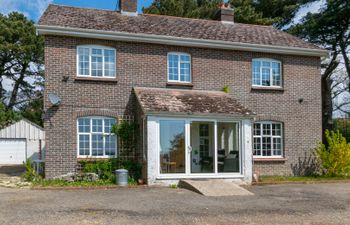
177 41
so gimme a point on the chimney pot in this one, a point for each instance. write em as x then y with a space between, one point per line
128 7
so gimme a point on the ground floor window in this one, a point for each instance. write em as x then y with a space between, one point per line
267 137
95 138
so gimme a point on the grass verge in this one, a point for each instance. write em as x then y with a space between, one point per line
301 179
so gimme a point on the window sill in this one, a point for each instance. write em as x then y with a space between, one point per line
257 88
103 79
94 158
270 159
178 84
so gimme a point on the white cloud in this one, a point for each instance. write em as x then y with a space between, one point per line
312 8
30 8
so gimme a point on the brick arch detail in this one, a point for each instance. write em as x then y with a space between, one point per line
96 112
274 118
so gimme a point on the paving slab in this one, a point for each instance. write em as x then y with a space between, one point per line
214 187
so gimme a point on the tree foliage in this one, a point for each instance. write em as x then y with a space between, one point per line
264 12
7 116
335 156
329 28
21 63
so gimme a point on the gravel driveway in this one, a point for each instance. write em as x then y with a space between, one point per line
275 204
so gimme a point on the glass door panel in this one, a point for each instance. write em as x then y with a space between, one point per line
228 147
202 147
172 146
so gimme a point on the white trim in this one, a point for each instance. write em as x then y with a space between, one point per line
179 67
272 156
187 173
103 48
178 41
261 60
90 138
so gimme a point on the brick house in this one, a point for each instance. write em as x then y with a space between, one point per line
168 74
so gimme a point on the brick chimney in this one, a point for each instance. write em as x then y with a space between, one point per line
128 7
225 13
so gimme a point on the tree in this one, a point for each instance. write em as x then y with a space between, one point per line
7 116
329 28
21 60
264 12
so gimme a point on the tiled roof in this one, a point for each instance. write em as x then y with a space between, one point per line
178 101
107 20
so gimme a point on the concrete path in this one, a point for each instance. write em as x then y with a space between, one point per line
10 176
214 187
314 204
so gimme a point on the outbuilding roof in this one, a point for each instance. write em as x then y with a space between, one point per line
199 29
190 102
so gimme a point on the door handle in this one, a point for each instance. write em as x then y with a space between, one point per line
189 149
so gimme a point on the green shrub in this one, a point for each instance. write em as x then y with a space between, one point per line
30 173
335 156
126 133
106 168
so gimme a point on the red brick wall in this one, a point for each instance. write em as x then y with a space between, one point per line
146 65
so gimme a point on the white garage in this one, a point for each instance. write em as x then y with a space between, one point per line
20 141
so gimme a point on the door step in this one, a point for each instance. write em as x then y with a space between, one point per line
214 187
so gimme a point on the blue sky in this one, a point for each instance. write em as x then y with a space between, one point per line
34 8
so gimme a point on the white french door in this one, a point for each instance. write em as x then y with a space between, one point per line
198 147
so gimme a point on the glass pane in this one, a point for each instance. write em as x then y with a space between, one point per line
256 73
110 145
257 129
108 125
228 147
202 143
109 57
277 146
185 72
266 146
276 74
84 61
97 125
96 51
276 129
84 125
173 67
265 76
172 146
185 58
266 129
84 144
96 66
257 146
97 144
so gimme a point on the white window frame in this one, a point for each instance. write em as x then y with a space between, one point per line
261 60
271 136
103 48
90 137
179 54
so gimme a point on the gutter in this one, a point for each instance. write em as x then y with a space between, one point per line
177 41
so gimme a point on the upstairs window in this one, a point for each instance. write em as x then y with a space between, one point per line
96 61
267 139
267 73
179 67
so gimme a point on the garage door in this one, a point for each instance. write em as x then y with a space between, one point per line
12 151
